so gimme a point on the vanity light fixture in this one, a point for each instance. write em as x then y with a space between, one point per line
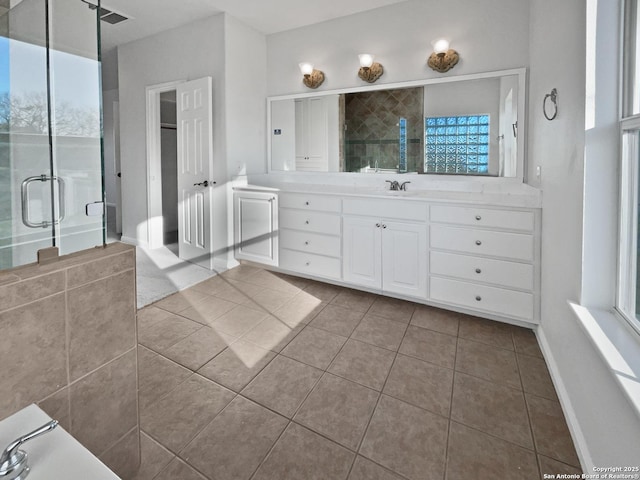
370 71
312 78
443 58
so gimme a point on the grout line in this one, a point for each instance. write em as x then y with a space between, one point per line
453 385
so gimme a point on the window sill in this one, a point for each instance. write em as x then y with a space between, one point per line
618 346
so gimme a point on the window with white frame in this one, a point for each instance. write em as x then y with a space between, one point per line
628 291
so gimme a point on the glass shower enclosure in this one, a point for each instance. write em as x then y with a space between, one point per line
51 162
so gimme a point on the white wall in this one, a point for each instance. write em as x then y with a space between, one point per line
489 35
602 421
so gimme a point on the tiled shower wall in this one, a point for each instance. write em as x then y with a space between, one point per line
372 129
68 344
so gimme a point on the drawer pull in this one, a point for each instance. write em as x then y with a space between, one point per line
306 243
308 263
478 270
307 222
306 203
478 298
384 226
478 242
478 217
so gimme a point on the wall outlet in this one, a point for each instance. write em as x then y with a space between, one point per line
538 172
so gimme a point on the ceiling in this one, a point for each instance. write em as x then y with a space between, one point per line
148 17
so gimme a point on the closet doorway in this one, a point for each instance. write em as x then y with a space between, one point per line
169 166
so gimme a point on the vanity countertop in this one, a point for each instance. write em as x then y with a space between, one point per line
55 454
503 195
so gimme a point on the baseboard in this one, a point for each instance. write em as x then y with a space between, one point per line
133 241
575 430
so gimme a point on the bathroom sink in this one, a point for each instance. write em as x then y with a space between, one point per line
55 454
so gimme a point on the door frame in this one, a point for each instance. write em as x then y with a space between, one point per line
155 223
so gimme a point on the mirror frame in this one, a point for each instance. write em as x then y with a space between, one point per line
522 117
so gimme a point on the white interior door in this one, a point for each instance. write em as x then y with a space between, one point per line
195 164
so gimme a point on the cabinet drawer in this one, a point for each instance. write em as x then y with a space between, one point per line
310 263
516 246
483 217
321 203
486 270
310 221
310 242
482 297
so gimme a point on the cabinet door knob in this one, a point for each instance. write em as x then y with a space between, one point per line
478 270
384 226
308 263
306 243
378 225
478 242
478 298
478 217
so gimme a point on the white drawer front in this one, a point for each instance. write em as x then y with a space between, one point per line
482 298
310 263
310 242
310 221
478 269
483 217
516 246
322 203
391 208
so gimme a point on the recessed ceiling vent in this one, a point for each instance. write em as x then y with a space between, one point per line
107 15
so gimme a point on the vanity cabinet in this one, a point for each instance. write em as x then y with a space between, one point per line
484 259
256 227
310 233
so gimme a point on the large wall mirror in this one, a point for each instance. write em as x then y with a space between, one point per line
465 125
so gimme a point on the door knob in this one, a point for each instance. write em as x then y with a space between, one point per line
206 183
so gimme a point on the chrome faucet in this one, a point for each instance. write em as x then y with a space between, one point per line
393 185
13 461
404 186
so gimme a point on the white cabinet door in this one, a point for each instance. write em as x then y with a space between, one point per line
256 227
311 134
361 251
404 258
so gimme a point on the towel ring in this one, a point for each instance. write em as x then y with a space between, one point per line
554 99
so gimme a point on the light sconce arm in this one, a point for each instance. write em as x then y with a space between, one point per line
312 78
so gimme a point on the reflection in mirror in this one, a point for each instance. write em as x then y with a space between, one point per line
459 126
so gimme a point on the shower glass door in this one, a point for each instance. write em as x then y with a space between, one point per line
51 181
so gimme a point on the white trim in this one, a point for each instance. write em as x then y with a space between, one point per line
578 437
155 229
133 241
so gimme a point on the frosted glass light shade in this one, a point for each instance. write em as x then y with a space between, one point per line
441 46
366 60
306 68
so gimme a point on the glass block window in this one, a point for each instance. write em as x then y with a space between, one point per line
402 166
457 144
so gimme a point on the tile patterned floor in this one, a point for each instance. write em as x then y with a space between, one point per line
255 375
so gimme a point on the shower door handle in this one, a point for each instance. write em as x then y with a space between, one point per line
24 189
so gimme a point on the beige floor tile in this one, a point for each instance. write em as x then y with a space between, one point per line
271 300
238 321
245 288
150 315
207 311
354 299
314 347
380 332
272 334
365 469
338 320
198 348
180 301
283 385
363 363
153 458
407 440
553 467
535 377
177 469
437 319
211 285
338 409
495 409
157 376
300 310
301 454
486 331
481 360
230 292
550 430
322 291
164 333
241 272
526 342
473 454
299 282
176 418
237 365
235 443
393 309
421 384
274 281
429 346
